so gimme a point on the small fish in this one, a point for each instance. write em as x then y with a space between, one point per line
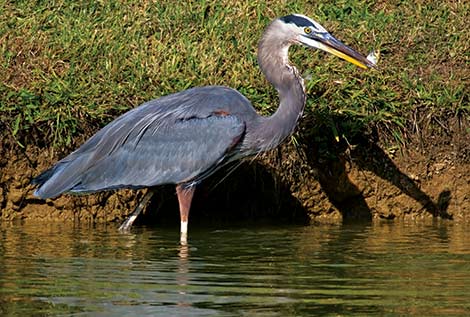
373 57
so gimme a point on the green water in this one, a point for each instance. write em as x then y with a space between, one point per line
382 269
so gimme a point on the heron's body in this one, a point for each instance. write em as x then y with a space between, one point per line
197 130
184 137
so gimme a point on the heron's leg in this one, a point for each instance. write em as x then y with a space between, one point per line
126 225
185 196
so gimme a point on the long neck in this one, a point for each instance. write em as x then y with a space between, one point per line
274 63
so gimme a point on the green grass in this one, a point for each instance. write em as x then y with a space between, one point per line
69 67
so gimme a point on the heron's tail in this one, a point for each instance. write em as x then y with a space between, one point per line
58 179
43 177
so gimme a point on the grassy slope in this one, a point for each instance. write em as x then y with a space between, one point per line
67 67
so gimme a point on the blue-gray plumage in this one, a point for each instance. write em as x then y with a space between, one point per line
184 137
160 142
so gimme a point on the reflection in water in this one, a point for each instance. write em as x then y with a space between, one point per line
182 277
378 269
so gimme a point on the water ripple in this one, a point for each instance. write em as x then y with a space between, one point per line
394 269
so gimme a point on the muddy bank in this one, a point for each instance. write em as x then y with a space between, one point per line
429 178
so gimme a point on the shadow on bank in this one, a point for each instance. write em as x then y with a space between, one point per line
332 159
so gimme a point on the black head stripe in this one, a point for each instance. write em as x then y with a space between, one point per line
297 20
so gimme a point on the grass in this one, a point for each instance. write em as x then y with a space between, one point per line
69 67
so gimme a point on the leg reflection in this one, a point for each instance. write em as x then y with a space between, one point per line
183 272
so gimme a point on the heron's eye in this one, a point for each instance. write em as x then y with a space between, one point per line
307 30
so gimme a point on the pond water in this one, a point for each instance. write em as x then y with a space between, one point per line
391 269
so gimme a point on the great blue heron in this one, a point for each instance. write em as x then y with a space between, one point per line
184 137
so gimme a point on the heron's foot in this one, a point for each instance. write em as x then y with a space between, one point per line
184 233
127 224
184 239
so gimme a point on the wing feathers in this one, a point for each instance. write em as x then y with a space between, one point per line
169 140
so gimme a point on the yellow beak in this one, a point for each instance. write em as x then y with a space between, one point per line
328 43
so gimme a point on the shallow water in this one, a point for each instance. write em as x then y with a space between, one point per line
377 269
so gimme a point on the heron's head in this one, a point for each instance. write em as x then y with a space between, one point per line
299 29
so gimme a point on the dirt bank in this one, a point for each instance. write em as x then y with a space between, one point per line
429 177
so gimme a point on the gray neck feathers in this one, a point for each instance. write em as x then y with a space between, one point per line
274 63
